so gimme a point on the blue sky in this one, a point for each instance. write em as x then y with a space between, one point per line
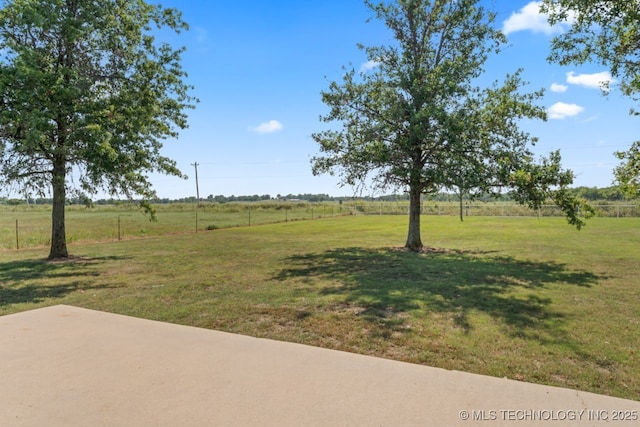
258 69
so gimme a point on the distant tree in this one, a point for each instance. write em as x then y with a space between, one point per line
468 174
85 88
605 32
612 193
467 178
418 115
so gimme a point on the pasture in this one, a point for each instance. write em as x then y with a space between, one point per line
530 299
28 226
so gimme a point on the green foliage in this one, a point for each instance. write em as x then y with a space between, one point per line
418 122
628 173
605 32
602 31
397 118
84 86
534 180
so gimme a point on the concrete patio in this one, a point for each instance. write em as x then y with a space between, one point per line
66 366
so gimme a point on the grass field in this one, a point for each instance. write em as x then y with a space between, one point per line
122 222
29 226
524 298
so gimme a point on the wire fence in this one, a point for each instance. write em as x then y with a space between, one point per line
30 226
488 209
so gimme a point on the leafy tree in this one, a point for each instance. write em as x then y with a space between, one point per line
628 172
86 92
606 32
417 119
466 174
473 168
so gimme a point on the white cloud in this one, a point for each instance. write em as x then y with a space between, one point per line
558 88
530 18
600 80
561 110
369 65
267 127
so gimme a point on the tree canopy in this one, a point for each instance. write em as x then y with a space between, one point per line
87 95
605 32
420 122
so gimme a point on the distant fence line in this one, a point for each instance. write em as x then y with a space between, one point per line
24 228
489 209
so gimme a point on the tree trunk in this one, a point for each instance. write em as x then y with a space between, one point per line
58 233
414 242
461 208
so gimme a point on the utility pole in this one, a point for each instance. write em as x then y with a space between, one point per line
195 165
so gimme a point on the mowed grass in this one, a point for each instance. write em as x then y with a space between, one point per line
523 298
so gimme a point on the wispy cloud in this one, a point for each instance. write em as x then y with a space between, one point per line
267 127
561 110
600 80
369 65
202 35
529 18
558 88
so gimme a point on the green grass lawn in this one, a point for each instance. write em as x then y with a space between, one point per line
524 298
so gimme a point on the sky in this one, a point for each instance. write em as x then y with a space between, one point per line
258 69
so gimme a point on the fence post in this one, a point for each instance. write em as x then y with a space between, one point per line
17 238
119 229
249 216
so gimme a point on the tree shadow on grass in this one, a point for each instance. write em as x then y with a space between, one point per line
33 281
384 285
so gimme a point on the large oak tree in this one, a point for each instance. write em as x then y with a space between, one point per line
420 121
87 95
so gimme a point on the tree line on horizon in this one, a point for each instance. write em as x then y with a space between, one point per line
592 194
